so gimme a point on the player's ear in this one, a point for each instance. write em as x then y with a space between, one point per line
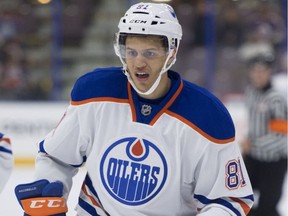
172 57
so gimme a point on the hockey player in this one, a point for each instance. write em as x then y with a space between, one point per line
153 144
6 160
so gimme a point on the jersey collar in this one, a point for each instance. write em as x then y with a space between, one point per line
161 107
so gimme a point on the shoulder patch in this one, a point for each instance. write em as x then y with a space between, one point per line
205 113
100 83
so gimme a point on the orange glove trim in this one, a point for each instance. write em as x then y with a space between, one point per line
42 206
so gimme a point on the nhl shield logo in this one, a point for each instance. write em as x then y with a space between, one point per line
146 110
133 171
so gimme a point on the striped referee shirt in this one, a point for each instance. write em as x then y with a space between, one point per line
264 107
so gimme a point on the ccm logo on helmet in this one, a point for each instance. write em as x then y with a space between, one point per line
138 21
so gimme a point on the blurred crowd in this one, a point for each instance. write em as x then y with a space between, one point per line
17 26
219 39
239 31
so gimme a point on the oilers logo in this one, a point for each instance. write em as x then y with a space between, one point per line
133 171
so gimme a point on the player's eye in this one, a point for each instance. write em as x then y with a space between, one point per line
149 54
131 53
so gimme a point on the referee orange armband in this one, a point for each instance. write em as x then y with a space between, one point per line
278 126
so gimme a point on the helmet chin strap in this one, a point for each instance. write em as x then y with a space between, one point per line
156 83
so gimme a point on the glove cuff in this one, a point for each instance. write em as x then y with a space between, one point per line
44 206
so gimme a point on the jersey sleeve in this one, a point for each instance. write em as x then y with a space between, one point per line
47 167
276 135
222 182
67 146
278 113
6 160
213 169
62 151
67 142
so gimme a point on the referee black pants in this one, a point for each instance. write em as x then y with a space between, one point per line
267 178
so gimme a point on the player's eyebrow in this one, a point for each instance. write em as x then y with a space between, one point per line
147 49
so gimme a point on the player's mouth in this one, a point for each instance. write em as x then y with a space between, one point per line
142 76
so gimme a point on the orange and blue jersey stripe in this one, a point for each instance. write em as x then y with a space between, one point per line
242 203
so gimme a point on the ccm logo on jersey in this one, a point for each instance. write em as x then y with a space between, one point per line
133 171
47 205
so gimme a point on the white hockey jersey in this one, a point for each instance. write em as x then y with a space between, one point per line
173 156
6 160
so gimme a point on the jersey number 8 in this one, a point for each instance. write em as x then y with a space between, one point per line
234 175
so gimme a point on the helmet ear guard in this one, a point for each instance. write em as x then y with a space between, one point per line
149 19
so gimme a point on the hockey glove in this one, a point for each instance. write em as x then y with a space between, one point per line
41 198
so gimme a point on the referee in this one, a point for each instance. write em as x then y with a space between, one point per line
265 148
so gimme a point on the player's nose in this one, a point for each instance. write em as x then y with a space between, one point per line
140 61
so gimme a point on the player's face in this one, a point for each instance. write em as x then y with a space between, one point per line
145 57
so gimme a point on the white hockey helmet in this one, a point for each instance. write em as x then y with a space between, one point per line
150 19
